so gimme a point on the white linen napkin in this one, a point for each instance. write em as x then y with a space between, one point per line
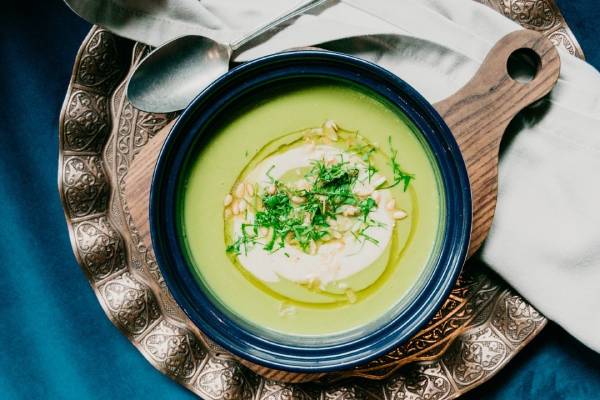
545 239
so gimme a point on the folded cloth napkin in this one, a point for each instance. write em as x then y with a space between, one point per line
545 239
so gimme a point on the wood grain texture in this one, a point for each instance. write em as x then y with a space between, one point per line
477 114
139 180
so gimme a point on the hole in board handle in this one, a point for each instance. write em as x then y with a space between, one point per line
523 65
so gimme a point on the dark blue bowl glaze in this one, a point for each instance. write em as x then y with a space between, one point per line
238 85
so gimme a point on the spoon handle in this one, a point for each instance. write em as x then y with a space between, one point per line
298 10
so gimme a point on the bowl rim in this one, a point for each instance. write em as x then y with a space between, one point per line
222 329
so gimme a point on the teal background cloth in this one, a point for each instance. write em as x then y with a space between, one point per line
55 340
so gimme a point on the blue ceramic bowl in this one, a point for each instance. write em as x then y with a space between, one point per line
237 88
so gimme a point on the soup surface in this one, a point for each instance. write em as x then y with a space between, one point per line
313 212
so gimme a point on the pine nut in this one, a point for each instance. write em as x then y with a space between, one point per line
399 214
307 219
239 191
312 248
350 211
330 124
298 199
376 196
285 309
379 181
351 296
365 192
391 205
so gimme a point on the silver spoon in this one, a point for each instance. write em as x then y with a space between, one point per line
171 76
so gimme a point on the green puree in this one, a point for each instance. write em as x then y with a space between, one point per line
216 169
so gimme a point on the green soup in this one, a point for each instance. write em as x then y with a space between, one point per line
281 122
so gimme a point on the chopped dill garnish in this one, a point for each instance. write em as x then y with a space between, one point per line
371 170
366 206
367 237
303 216
399 174
308 213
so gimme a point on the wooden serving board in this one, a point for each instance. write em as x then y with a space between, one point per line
478 114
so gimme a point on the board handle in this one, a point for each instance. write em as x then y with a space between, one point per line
479 113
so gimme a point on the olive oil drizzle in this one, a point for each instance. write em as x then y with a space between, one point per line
303 216
350 141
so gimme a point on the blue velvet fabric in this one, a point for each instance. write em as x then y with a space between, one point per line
55 341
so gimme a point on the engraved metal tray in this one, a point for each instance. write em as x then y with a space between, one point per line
482 325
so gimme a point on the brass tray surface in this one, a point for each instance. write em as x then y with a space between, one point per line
482 325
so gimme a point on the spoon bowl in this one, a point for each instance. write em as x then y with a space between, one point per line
170 77
195 60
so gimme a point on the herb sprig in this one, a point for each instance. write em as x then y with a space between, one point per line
304 216
307 215
400 176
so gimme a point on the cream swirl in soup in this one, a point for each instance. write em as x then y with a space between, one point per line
315 214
